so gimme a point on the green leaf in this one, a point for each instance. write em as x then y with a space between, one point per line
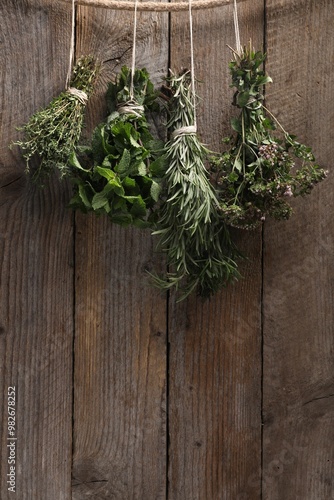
123 219
112 117
74 162
158 166
83 196
119 204
268 124
131 198
130 186
123 165
134 143
114 183
242 99
106 173
142 170
233 176
155 190
106 163
100 146
237 164
236 125
99 200
138 208
264 80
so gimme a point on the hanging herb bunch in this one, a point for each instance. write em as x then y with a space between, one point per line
200 253
52 134
264 165
119 174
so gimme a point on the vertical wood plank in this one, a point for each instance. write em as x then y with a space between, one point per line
215 346
299 265
120 346
36 310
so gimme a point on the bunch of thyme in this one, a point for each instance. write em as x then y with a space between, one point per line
52 134
119 174
200 253
261 170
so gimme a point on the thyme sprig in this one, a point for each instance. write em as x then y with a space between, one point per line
200 253
52 134
264 164
119 174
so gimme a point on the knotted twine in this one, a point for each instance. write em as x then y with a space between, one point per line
132 107
190 129
79 94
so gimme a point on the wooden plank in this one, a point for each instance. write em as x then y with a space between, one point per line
36 250
120 345
299 265
215 346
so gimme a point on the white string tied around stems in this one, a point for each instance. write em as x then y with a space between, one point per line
133 66
79 94
72 42
192 66
189 129
131 108
236 27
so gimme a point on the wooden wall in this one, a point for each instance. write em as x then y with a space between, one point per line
122 393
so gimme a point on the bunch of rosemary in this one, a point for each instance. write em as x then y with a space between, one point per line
119 173
261 169
52 134
200 253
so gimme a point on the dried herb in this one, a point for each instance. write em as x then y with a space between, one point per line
119 174
262 168
52 134
200 253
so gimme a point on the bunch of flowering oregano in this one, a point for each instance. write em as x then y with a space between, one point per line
262 167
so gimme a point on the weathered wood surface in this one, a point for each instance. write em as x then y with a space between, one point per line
298 373
167 398
36 255
215 346
120 340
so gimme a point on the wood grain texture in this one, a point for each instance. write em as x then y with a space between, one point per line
135 380
36 313
299 265
120 346
215 346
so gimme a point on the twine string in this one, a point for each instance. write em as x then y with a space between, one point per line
188 130
79 94
72 42
192 66
131 108
153 6
236 27
133 67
